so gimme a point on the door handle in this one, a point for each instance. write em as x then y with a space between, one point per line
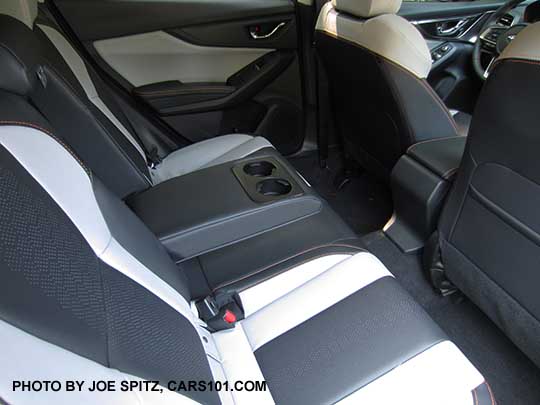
445 31
255 31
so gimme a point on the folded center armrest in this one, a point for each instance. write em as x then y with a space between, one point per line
441 156
420 182
214 207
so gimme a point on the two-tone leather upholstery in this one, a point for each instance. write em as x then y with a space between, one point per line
490 228
88 293
377 64
80 82
25 11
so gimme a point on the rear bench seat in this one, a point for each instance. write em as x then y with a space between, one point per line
38 87
122 151
88 293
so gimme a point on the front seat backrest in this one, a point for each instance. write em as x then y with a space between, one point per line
490 227
377 64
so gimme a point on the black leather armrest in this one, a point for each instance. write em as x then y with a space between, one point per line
164 95
217 210
175 98
420 182
441 156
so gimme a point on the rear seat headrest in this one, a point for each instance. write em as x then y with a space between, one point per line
20 56
367 8
23 10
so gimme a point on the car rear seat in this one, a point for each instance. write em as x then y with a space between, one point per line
127 150
32 79
88 293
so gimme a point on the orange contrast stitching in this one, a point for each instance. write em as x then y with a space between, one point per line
46 131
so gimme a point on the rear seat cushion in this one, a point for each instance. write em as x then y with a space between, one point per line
207 153
342 328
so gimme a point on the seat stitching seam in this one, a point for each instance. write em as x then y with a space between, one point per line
49 133
462 202
438 100
87 109
431 140
400 103
490 393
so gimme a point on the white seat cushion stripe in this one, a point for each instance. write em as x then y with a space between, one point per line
239 364
241 151
315 296
441 375
77 66
261 295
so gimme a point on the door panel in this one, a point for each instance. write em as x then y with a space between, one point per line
100 19
158 57
203 67
451 28
233 33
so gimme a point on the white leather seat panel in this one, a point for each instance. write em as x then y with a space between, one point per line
207 153
442 372
260 295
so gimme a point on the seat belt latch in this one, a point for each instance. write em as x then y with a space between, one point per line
221 312
229 317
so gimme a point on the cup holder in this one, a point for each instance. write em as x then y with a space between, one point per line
259 169
274 187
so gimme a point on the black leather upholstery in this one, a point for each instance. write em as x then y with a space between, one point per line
490 227
331 344
441 156
380 108
32 67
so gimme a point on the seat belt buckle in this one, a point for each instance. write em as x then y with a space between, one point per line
229 317
221 312
223 320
